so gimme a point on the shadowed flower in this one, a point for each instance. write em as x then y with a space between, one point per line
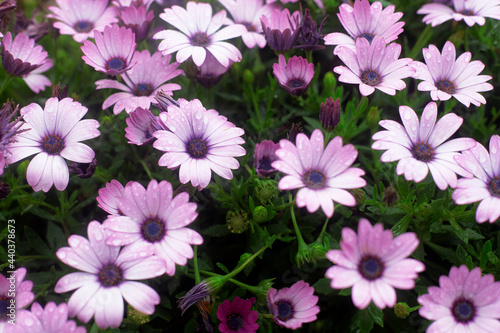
11 304
143 81
281 29
421 147
211 71
199 141
291 307
51 319
329 113
485 186
83 170
107 278
366 21
30 27
264 155
374 65
198 293
141 124
318 2
321 174
8 130
132 3
471 11
310 34
295 76
445 77
54 135
465 301
112 52
152 216
236 316
373 264
81 18
137 19
108 196
199 33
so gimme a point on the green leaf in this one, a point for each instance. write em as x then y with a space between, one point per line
323 286
36 242
376 314
487 248
222 267
218 230
461 254
345 292
402 225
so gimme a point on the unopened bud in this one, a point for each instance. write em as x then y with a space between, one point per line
237 222
329 113
401 310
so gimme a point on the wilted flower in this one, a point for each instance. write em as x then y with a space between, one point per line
295 129
141 124
30 27
12 304
471 11
310 35
236 316
137 19
198 293
59 92
83 170
281 29
295 76
53 318
329 113
265 154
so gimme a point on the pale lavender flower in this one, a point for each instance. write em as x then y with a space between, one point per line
321 174
465 301
81 18
11 303
211 71
485 186
199 33
366 21
51 319
54 135
373 264
265 154
445 77
281 29
8 131
318 2
199 141
137 19
141 124
108 196
294 306
112 52
295 76
374 65
132 3
471 11
143 81
421 147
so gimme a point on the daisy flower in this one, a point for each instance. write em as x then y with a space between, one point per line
374 65
153 216
265 154
236 317
10 304
281 29
199 33
199 141
420 147
321 174
373 264
471 11
142 82
141 124
465 301
81 18
132 3
107 198
295 76
107 278
485 186
445 77
367 21
51 319
138 19
54 135
211 71
291 307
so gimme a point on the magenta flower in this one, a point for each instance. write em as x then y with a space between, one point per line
463 302
281 29
54 135
138 19
264 155
199 33
112 52
12 303
420 147
199 141
291 307
107 278
373 264
445 77
374 65
366 21
236 317
141 124
53 319
108 196
485 186
321 174
81 18
152 216
143 81
295 76
471 11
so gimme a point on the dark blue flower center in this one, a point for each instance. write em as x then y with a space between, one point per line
468 12
463 310
200 39
197 148
153 230
250 27
143 89
369 37
422 151
370 77
314 179
116 64
265 163
4 304
285 310
296 83
234 321
52 144
370 267
446 86
110 275
83 26
494 187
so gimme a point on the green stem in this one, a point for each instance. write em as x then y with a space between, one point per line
319 240
197 278
253 289
414 308
148 172
422 40
5 83
358 109
285 206
256 108
300 240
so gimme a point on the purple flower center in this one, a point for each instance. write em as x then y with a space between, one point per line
265 163
463 310
250 27
83 26
314 179
370 77
446 86
116 64
368 36
4 304
143 89
200 39
494 187
110 275
371 267
422 151
234 321
153 230
52 144
197 148
285 310
296 83
468 12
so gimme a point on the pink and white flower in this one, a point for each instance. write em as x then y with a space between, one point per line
107 198
420 147
108 277
54 135
138 19
141 124
445 77
53 318
281 29
23 296
374 65
132 3
321 174
471 11
295 76
373 264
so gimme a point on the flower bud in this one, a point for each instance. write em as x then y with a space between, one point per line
237 222
329 113
266 191
248 77
137 317
401 310
259 214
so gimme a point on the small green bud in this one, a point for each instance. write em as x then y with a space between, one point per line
237 222
401 310
137 317
259 213
107 122
248 77
266 190
263 290
310 253
329 82
373 117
